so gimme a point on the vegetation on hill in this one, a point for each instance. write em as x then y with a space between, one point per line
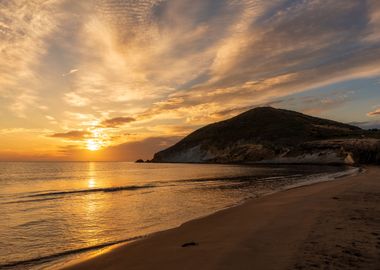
266 131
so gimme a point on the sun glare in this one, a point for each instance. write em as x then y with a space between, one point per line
91 183
93 145
97 140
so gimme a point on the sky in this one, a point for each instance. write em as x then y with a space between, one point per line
122 79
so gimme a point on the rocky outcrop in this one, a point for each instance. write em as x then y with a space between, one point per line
357 150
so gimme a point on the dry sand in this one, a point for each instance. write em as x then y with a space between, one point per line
331 225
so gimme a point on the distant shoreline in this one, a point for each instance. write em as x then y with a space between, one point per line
208 237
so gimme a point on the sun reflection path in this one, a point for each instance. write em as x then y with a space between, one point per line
91 183
91 175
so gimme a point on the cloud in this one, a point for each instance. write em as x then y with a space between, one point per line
178 63
290 51
72 71
231 112
76 100
218 51
200 51
72 135
374 113
117 121
51 119
24 27
318 103
23 130
180 130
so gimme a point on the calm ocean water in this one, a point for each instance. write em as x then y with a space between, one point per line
52 212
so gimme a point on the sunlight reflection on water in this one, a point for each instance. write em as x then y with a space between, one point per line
61 208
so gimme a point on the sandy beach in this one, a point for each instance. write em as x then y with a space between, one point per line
330 225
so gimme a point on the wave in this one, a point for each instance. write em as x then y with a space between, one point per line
239 179
91 190
51 195
27 201
51 257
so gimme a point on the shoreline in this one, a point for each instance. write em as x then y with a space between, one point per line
354 170
168 244
67 257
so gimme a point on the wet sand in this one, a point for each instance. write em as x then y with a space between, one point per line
330 225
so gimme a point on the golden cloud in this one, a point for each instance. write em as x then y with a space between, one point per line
117 121
72 135
374 113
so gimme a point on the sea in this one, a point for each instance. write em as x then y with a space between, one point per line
52 213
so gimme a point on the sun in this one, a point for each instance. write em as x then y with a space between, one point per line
93 145
97 140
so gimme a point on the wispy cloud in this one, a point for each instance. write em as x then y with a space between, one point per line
76 100
72 135
374 113
24 27
178 63
117 121
72 71
219 52
246 52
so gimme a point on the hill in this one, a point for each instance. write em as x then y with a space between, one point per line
266 134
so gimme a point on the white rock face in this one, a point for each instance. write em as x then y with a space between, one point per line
191 155
316 152
349 159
